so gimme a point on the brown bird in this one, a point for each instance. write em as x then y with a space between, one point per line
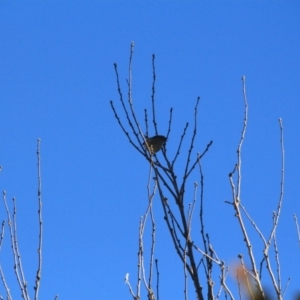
155 143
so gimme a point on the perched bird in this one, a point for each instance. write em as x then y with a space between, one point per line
155 143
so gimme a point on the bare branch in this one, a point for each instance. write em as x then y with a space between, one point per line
277 257
19 265
276 284
5 284
153 94
39 269
185 176
236 192
129 286
157 276
297 228
14 244
180 143
281 184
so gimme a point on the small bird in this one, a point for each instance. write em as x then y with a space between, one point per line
155 143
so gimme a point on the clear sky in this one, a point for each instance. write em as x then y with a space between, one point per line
56 81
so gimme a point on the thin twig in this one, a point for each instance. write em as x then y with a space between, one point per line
185 272
146 123
18 254
281 183
152 235
209 264
39 269
130 101
170 122
224 273
277 257
180 143
253 223
129 83
127 282
14 246
242 139
124 130
276 218
297 228
191 146
286 286
141 268
198 159
140 259
5 284
122 101
153 94
157 279
2 234
236 191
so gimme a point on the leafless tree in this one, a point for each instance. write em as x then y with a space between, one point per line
13 234
197 256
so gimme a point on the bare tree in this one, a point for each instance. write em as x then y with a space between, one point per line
197 256
13 234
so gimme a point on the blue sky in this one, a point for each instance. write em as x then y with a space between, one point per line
56 81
